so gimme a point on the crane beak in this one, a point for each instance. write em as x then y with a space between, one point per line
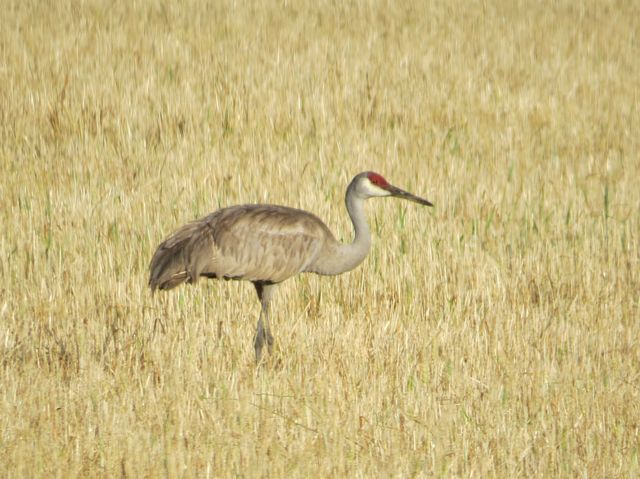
399 193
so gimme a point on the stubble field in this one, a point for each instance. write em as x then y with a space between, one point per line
496 335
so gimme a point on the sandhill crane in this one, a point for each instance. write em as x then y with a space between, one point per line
266 244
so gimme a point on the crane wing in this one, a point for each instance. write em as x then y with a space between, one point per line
251 242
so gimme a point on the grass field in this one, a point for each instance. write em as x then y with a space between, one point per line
496 335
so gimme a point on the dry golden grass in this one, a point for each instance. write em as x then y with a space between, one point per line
494 336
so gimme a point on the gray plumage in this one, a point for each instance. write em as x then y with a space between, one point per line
266 244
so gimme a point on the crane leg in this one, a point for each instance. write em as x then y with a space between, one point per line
263 329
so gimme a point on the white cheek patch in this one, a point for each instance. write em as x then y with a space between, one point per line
374 190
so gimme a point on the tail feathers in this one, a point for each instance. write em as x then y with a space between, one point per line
180 258
169 282
168 269
169 265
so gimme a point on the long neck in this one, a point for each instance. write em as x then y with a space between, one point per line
348 256
359 248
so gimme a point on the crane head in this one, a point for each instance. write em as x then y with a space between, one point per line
370 184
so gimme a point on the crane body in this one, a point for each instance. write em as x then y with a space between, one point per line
267 244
